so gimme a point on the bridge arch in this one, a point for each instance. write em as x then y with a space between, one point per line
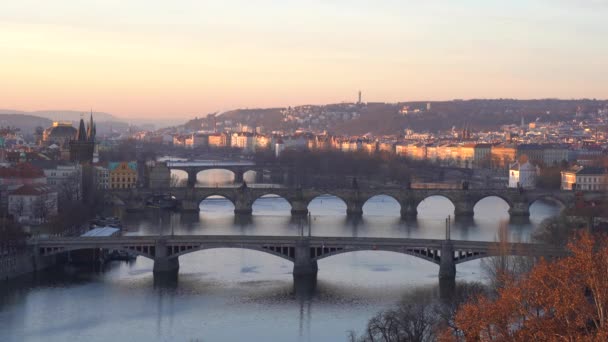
284 203
549 197
287 253
216 180
210 203
372 204
478 203
318 204
421 203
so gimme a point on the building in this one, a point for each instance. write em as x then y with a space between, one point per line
160 176
12 178
59 133
123 175
101 177
218 140
196 140
65 177
585 178
523 175
483 155
32 204
244 141
82 147
503 155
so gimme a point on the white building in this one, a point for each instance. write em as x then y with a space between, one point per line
33 204
65 177
585 178
523 175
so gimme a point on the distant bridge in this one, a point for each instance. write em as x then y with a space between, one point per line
464 201
304 252
239 168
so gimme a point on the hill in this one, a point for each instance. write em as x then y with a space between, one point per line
64 115
27 123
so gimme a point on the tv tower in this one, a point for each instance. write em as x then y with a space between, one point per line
359 101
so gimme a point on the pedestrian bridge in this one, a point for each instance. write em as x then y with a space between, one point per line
304 252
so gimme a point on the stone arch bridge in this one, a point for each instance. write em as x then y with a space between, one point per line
304 252
239 168
243 198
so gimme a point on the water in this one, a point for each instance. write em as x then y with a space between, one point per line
234 294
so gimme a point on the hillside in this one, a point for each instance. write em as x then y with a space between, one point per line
64 115
27 123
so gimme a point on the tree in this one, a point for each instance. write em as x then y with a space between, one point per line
563 300
558 230
418 317
176 182
503 265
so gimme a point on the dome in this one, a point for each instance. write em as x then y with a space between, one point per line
59 133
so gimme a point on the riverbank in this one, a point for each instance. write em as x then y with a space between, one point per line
21 263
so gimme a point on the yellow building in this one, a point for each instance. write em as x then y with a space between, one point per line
503 155
123 175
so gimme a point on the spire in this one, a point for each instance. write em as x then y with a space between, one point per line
81 135
91 128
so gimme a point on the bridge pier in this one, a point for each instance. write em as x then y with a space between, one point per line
464 209
299 208
354 209
189 205
238 176
192 178
409 210
304 265
447 266
162 262
519 209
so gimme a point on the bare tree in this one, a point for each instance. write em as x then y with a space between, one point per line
504 265
176 182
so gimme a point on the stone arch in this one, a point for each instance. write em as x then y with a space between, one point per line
329 193
218 194
435 194
287 254
493 194
393 198
198 172
563 205
505 199
268 194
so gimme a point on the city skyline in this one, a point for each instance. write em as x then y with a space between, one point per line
193 58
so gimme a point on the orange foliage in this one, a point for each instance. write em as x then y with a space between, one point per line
564 300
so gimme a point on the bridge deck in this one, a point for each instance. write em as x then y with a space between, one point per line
531 248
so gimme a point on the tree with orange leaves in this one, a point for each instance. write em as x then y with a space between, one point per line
562 300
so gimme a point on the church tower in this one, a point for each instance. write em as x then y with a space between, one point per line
82 148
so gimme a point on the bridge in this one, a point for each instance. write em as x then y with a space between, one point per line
464 200
303 251
239 168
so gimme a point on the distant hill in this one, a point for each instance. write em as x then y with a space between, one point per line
270 118
27 123
64 115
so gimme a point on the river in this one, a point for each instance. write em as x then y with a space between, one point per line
236 295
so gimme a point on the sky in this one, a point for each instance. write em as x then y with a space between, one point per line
185 58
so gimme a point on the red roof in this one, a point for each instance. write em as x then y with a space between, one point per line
32 190
22 170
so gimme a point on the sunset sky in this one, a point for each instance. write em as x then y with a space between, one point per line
162 59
